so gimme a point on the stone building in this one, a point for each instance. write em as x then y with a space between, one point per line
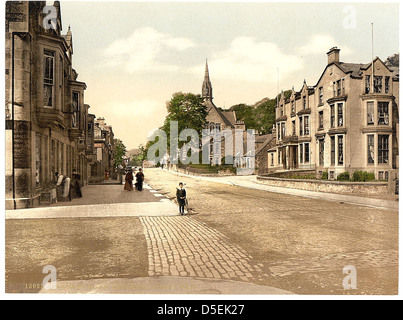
347 122
46 118
220 120
103 149
264 143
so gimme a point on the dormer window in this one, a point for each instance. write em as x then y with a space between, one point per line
367 84
378 84
387 84
343 87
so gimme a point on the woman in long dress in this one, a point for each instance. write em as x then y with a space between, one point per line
75 185
129 181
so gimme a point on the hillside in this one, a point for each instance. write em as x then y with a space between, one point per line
259 116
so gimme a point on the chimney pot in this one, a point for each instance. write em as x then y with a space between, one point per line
333 55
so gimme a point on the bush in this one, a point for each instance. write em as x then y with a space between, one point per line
325 175
362 176
345 176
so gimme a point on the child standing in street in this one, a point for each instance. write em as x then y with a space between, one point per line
181 197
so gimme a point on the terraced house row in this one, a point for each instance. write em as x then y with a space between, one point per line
48 126
347 122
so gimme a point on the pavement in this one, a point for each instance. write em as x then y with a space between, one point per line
112 201
251 182
162 285
185 256
237 239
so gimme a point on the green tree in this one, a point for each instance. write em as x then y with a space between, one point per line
139 158
120 152
393 61
188 110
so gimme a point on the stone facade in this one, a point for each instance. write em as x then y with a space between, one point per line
48 128
102 166
221 120
347 122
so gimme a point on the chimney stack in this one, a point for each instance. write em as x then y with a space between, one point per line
333 55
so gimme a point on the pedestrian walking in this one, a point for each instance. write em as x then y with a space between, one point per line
75 183
63 186
181 197
129 181
139 180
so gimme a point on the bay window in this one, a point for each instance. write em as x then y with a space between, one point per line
383 113
371 149
370 113
383 149
48 78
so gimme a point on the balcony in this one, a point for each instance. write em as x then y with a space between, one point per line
75 133
282 118
337 130
47 116
290 139
337 99
304 111
376 96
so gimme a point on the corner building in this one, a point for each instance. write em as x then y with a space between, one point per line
46 118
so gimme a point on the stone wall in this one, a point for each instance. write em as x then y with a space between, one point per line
358 188
200 172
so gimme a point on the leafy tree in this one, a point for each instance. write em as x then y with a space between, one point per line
141 155
393 61
120 152
188 110
260 116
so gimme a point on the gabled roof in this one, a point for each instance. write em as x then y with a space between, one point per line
230 116
267 139
355 69
211 107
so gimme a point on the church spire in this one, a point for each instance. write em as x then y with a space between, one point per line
207 89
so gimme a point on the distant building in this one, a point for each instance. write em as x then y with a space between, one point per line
104 150
347 122
220 120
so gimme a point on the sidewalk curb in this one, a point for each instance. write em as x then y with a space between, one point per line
163 285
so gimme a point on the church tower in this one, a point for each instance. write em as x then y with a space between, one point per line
207 89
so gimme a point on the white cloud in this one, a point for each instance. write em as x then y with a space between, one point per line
249 60
320 44
142 50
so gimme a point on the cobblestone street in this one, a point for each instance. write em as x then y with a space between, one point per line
183 246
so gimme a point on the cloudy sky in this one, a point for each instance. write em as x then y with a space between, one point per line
135 55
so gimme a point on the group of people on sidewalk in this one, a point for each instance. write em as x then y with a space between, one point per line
129 180
66 188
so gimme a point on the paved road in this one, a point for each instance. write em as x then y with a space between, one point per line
299 244
234 240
